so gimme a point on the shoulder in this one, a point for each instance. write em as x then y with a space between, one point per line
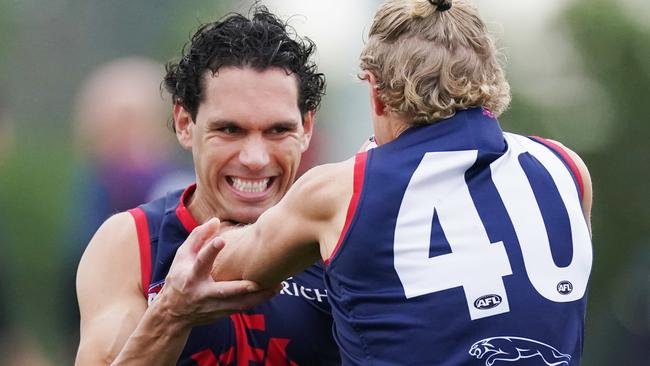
116 231
326 175
112 254
584 176
322 189
580 164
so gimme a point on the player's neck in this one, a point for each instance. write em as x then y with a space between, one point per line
389 127
200 207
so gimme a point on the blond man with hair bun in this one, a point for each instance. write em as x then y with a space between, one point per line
450 243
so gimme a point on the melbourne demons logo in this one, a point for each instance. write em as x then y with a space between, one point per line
510 349
154 290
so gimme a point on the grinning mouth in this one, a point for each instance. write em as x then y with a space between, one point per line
250 185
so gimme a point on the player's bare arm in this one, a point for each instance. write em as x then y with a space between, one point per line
303 227
110 301
117 327
587 197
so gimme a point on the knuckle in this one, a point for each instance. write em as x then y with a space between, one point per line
220 293
198 232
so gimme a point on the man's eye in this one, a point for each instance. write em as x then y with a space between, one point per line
230 130
278 130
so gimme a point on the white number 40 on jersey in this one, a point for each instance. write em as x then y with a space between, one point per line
438 185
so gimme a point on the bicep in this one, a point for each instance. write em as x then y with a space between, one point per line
104 333
108 290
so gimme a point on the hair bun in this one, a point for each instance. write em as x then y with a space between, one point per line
441 5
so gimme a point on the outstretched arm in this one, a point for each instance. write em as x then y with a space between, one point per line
303 227
117 327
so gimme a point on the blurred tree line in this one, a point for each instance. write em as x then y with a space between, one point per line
614 52
40 41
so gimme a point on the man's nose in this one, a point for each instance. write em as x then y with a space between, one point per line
254 153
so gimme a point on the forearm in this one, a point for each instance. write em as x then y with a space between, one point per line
287 237
157 340
264 252
238 255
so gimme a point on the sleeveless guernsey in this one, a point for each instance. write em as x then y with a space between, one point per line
463 245
294 328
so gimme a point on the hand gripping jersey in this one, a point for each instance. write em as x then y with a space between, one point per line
464 245
294 328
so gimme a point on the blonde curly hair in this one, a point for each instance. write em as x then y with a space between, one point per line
431 60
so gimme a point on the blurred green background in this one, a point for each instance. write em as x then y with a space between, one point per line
579 70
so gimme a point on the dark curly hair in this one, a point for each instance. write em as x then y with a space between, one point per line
261 42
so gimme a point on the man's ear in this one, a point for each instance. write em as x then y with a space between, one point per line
308 129
378 106
183 124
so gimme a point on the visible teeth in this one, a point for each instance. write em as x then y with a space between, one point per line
250 186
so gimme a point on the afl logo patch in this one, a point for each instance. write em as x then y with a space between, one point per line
565 287
487 302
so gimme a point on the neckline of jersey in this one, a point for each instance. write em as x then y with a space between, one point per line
184 215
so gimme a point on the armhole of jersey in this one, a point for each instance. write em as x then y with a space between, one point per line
359 173
144 243
567 159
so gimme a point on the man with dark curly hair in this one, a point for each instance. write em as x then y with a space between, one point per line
244 96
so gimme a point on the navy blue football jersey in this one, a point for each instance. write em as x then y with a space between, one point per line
463 245
294 328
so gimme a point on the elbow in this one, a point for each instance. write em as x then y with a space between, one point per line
240 258
225 267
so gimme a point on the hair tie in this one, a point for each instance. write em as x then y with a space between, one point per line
442 5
